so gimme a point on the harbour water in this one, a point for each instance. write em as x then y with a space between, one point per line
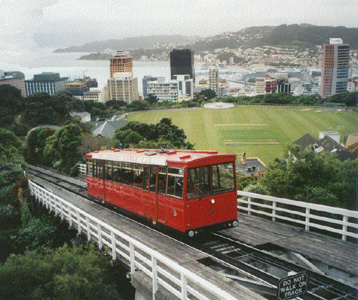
69 65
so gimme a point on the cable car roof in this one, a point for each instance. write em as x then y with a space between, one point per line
159 157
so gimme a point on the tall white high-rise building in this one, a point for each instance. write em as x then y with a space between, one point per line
335 68
185 86
214 79
123 87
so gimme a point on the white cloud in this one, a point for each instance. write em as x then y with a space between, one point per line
24 25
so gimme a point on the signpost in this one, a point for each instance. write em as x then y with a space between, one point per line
292 286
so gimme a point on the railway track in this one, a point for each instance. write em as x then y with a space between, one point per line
232 254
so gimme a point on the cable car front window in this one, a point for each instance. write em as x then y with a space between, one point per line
223 178
198 182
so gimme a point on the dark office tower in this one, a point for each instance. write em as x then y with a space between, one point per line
182 63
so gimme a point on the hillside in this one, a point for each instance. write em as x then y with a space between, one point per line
296 34
130 43
303 34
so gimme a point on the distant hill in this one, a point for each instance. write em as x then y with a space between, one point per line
130 43
290 35
297 35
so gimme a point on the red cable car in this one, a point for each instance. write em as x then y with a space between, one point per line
189 191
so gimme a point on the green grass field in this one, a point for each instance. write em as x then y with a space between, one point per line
262 131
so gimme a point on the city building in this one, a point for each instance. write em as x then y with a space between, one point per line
165 91
145 81
260 86
121 63
214 79
185 86
123 87
182 63
335 68
283 86
16 79
94 94
251 166
79 87
353 85
46 82
328 142
270 85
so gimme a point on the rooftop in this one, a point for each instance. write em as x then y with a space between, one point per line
162 157
48 76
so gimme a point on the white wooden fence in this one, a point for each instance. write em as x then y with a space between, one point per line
163 271
336 220
82 168
328 218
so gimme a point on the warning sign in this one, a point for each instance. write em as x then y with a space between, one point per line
292 286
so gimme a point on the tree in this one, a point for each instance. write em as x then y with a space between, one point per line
8 138
11 103
66 142
91 143
208 94
137 105
115 104
163 132
33 232
63 103
63 273
317 178
152 99
36 143
39 110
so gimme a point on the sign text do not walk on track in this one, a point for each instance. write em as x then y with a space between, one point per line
292 286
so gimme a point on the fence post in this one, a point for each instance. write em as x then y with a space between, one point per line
344 229
249 205
79 229
132 257
99 236
88 229
307 219
274 204
155 277
113 242
61 211
184 287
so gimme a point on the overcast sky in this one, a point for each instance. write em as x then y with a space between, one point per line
26 25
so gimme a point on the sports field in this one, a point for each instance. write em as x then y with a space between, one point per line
261 131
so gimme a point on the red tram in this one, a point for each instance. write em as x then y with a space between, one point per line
188 191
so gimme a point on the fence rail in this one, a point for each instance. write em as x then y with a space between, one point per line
335 220
164 272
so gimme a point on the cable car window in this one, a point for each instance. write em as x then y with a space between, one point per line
127 173
108 171
145 177
175 182
137 176
100 169
117 174
89 171
94 174
153 177
198 182
162 180
223 178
